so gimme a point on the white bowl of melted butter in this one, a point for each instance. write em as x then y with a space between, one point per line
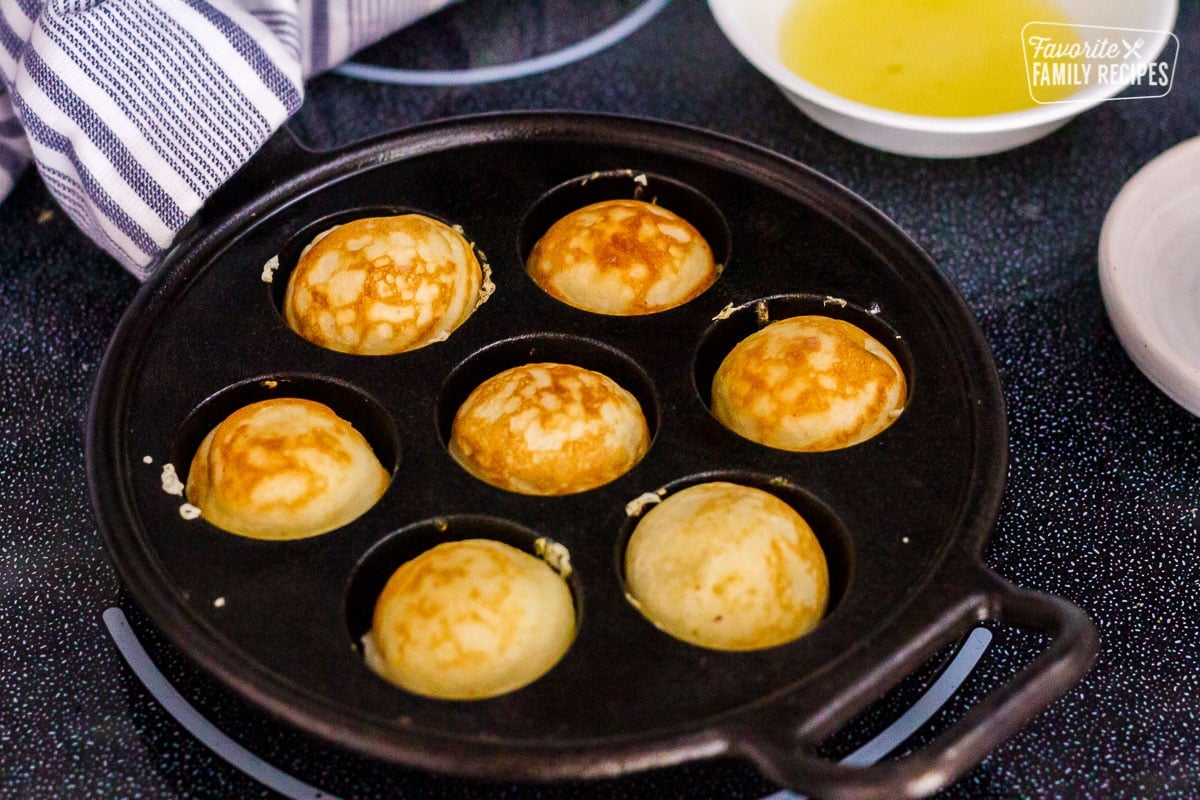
952 78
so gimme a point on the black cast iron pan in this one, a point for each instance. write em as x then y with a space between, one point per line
903 517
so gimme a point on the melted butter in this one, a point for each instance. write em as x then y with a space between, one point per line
942 58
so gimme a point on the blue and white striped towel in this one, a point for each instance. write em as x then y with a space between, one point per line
135 111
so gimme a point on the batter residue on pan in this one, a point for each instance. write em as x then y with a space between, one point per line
622 257
809 383
284 468
549 429
468 620
384 285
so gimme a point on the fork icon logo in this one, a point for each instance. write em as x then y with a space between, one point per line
1133 50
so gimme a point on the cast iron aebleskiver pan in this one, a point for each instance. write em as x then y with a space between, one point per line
903 517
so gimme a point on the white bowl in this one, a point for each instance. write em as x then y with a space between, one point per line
753 28
1150 271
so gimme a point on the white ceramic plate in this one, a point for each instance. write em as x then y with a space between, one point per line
1150 271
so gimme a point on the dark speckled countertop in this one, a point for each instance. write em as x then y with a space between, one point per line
1101 505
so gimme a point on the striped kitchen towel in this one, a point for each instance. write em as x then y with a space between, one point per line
135 111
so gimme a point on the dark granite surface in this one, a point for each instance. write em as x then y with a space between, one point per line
1101 505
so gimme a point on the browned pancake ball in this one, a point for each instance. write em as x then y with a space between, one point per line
284 468
727 567
468 620
549 429
809 383
622 257
384 285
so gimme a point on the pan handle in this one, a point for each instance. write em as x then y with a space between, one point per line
1001 714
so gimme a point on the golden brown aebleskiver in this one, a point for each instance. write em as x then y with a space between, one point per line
384 285
728 567
284 468
549 429
809 383
470 619
622 257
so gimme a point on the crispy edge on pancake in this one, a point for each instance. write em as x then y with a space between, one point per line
284 468
384 285
728 567
622 257
549 429
469 620
809 383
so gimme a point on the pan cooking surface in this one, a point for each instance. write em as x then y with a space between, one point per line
279 621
